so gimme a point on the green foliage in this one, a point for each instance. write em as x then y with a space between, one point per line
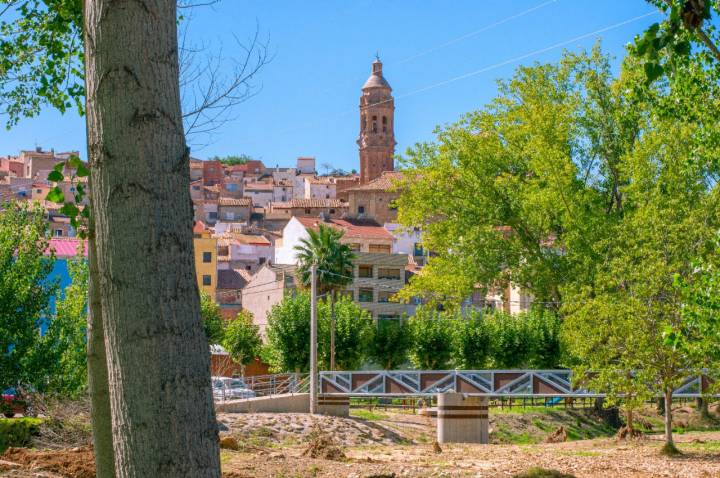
664 47
242 339
432 339
354 331
392 343
333 259
233 160
289 334
67 332
41 57
17 432
547 348
212 319
25 292
473 343
78 218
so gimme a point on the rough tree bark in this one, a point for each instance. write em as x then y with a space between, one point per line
669 443
157 355
97 372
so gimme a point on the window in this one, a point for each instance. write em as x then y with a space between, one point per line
365 295
384 124
262 260
207 279
212 215
332 211
38 191
380 248
361 209
207 257
231 187
384 296
365 271
384 273
417 249
327 196
307 210
230 215
374 124
58 233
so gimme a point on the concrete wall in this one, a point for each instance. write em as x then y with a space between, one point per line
260 294
286 403
293 232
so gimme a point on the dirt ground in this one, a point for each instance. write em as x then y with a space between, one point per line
385 444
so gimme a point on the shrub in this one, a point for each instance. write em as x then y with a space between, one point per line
472 342
17 431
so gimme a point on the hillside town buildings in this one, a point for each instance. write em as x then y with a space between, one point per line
249 218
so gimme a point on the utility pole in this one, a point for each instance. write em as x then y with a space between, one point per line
313 339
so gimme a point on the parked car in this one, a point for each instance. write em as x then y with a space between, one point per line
227 388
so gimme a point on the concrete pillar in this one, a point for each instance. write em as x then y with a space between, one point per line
337 406
462 418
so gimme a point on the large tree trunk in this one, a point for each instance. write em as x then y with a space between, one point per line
98 373
157 355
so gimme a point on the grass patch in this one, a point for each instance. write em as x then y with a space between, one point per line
503 435
370 415
669 449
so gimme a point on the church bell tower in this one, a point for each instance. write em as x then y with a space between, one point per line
377 137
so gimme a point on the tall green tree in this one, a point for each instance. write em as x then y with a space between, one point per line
213 322
334 264
67 330
242 339
392 343
288 333
473 341
432 344
25 293
354 332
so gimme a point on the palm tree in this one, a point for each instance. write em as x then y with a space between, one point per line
334 268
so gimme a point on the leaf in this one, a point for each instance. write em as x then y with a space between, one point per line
85 212
653 71
74 162
682 48
59 167
70 210
55 176
82 171
55 195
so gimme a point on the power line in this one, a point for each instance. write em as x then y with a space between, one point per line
481 70
474 33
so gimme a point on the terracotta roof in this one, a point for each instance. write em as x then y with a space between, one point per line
384 183
199 227
309 203
258 187
229 238
65 246
354 228
321 180
223 201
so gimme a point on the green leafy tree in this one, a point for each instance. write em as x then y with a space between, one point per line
512 340
392 343
213 322
334 264
432 334
473 342
547 348
242 340
354 331
25 293
288 334
66 334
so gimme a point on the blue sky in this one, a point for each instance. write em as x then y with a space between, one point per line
322 55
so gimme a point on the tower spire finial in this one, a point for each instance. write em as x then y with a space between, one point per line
377 55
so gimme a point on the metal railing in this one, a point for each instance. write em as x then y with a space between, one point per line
489 383
260 386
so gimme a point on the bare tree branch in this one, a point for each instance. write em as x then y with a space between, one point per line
213 85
